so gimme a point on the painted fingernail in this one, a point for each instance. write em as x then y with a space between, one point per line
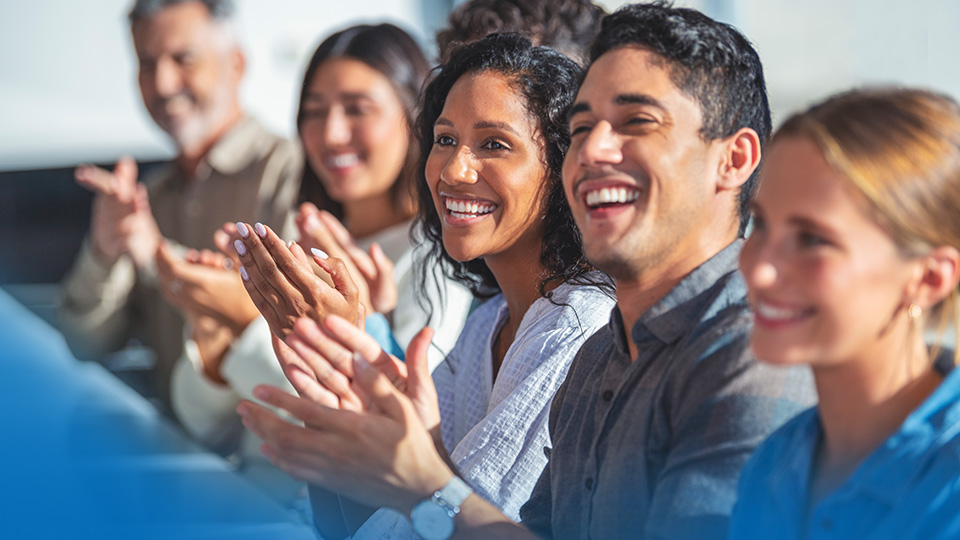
359 364
243 274
241 249
311 223
319 254
290 243
261 230
242 229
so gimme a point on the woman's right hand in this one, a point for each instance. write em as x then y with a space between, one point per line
284 287
319 364
372 272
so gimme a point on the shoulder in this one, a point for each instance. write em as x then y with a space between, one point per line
571 308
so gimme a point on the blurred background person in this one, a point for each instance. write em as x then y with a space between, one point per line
228 167
855 254
566 26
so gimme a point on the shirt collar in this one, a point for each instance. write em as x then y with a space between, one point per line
236 148
894 466
677 313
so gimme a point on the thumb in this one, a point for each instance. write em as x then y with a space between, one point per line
383 395
418 368
342 281
125 176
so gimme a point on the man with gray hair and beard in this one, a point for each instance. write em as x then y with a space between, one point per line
227 169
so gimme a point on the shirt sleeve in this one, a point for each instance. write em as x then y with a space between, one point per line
535 515
95 312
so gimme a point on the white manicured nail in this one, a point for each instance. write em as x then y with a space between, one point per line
243 274
261 230
241 249
242 229
319 254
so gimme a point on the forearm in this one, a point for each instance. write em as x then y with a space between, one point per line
480 520
93 311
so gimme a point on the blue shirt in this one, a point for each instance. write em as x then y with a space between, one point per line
908 488
652 447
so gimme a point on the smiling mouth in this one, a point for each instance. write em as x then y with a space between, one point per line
610 196
342 161
774 315
466 209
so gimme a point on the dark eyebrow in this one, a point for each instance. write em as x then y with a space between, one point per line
622 99
638 99
484 124
443 122
578 107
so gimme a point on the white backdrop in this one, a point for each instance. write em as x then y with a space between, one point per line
67 76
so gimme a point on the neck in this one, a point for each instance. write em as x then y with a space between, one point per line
865 400
518 275
372 215
646 286
191 155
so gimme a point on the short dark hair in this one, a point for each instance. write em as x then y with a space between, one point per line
394 54
566 26
710 61
547 80
144 9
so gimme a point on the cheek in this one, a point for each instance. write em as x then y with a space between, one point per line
312 142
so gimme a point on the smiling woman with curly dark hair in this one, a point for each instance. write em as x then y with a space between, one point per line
493 133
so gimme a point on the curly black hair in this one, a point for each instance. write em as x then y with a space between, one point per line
547 80
392 52
566 26
710 61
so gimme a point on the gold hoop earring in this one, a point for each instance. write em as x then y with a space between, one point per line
914 311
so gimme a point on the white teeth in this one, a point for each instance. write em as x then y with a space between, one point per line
341 161
778 314
611 195
466 209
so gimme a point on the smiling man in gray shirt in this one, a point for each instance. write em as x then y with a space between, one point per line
662 407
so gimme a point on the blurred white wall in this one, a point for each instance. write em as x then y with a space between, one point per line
68 89
67 75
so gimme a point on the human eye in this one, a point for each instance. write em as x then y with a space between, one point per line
493 144
444 140
577 129
358 108
313 112
811 240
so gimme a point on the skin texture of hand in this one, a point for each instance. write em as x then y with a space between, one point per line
121 222
200 285
382 457
372 272
284 287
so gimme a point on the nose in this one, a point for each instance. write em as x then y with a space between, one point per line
459 168
167 79
758 263
602 145
336 129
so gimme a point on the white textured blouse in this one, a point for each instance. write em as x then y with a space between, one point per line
496 432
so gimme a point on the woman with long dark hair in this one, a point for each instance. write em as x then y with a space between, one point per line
493 131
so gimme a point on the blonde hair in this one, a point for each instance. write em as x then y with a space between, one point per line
900 149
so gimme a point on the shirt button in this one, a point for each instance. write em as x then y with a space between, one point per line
608 395
589 483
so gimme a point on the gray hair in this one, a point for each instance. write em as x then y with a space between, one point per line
220 10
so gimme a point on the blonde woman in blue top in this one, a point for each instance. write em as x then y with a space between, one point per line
854 259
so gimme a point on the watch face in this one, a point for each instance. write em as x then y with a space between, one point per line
431 521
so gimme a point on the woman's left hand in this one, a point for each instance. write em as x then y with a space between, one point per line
284 287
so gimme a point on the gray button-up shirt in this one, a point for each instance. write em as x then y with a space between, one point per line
653 448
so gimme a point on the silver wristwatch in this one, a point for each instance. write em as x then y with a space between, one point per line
433 518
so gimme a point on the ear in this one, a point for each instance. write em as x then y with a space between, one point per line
939 276
740 156
238 62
